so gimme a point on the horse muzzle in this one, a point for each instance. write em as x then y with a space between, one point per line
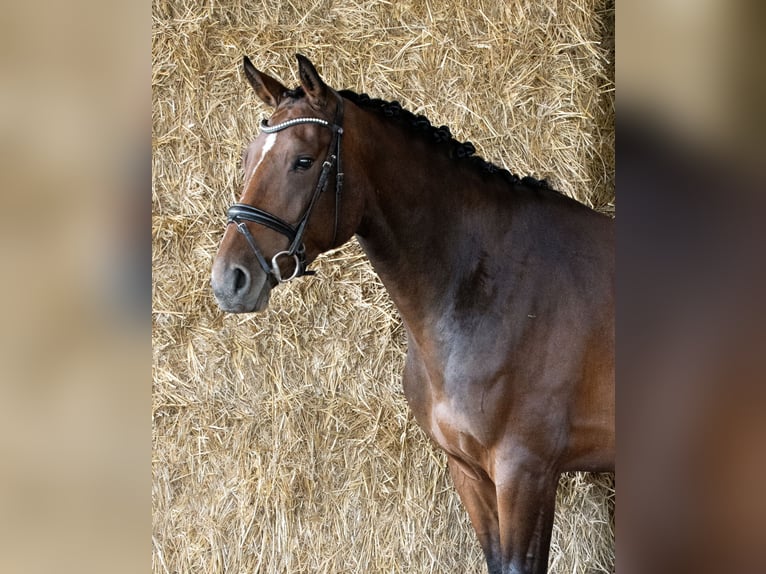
239 290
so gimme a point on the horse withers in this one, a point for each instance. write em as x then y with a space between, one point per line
505 288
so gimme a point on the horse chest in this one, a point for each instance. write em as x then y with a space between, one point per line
454 422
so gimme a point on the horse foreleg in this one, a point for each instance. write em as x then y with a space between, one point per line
479 496
541 542
526 502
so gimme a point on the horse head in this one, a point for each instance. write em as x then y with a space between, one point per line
292 205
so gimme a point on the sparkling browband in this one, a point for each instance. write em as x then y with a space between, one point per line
267 129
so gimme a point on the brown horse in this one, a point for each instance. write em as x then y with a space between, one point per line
505 287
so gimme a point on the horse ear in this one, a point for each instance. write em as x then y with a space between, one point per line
312 84
266 87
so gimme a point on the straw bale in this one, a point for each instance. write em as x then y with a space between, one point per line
282 441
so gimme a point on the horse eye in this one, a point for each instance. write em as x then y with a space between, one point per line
303 163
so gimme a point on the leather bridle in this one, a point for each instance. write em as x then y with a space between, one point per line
239 213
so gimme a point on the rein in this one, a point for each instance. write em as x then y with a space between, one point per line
238 213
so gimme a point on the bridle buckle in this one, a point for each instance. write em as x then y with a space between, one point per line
328 163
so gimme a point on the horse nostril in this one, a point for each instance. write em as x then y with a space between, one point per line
241 279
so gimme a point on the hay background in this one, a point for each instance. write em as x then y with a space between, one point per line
282 442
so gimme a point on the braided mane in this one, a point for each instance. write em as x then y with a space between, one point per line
441 135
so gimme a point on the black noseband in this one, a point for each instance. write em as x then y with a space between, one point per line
240 212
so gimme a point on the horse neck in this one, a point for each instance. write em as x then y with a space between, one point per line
421 211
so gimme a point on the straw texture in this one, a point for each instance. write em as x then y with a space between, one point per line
282 441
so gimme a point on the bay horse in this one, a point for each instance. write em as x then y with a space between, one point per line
505 288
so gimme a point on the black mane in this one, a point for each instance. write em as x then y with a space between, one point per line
442 135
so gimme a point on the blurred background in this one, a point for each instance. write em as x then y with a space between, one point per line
691 279
75 373
75 379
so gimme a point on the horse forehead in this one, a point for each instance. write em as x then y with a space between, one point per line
294 139
258 152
